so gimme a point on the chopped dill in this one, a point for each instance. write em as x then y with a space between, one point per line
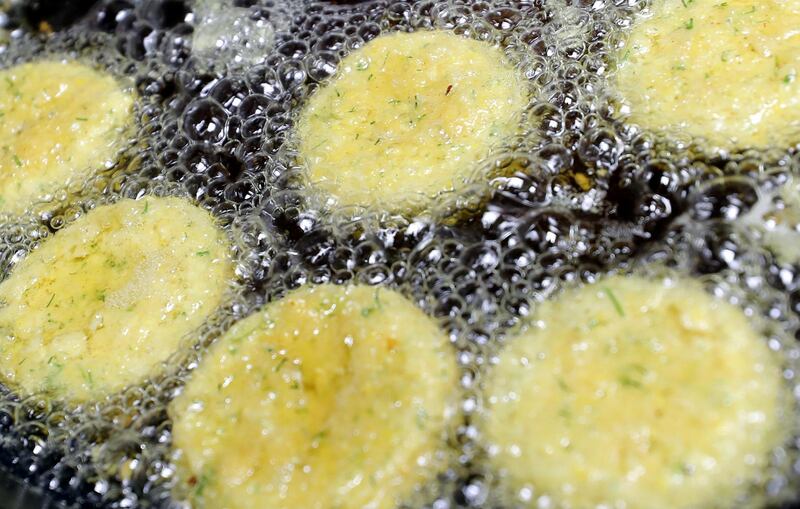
202 483
614 301
87 377
376 306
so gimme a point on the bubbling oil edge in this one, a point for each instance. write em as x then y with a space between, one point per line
755 299
551 218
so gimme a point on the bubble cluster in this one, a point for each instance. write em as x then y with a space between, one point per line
580 192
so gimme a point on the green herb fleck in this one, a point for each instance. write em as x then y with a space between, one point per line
688 25
632 376
17 160
13 88
81 119
202 484
630 382
87 377
613 298
279 365
203 253
51 300
376 306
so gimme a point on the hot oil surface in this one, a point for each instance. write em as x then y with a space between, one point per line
582 192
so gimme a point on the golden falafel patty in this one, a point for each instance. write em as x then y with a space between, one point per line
723 71
330 397
60 123
106 300
409 115
636 393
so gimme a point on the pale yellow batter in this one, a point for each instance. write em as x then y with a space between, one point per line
409 115
330 397
104 302
636 393
60 122
726 71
